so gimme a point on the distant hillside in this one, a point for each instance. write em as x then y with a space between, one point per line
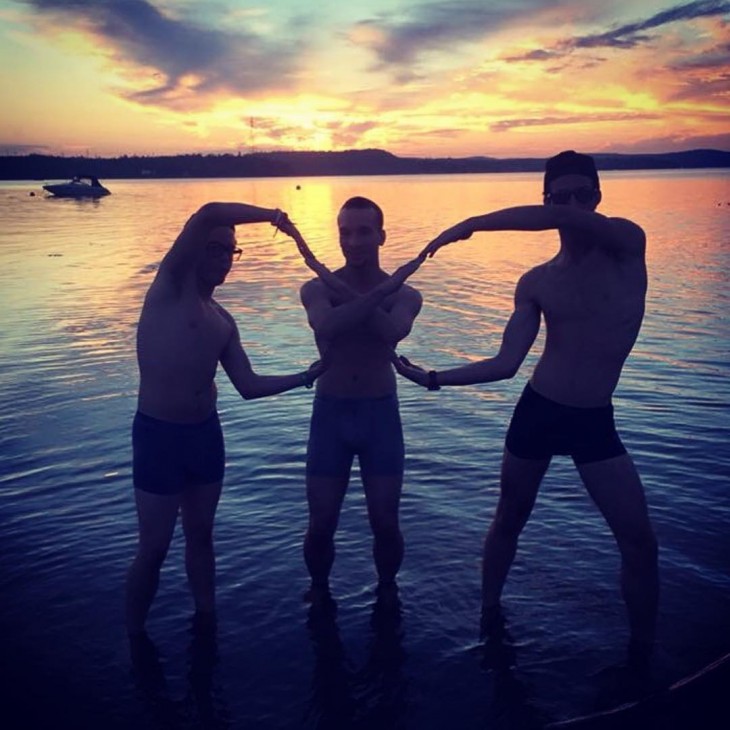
307 164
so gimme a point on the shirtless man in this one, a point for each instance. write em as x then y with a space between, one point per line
183 334
358 313
591 295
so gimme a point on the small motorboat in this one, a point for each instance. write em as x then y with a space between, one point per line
79 186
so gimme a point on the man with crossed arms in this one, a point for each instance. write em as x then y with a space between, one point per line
358 313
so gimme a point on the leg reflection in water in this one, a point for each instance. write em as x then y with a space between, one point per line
332 705
204 699
511 702
149 679
374 695
202 705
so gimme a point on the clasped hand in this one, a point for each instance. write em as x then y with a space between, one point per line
411 371
459 232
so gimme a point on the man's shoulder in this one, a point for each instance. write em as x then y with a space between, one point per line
312 287
626 224
536 274
164 287
316 283
221 310
407 290
533 282
311 283
629 237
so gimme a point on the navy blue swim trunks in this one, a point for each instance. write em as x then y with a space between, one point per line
341 428
541 428
168 458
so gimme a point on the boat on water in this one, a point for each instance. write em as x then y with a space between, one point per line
79 186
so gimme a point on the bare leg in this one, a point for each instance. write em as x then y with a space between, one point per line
324 497
156 515
198 506
615 487
383 498
520 481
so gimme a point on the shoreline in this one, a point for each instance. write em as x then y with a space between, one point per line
347 163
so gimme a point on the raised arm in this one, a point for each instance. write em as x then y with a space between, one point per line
327 277
252 385
519 335
618 234
184 250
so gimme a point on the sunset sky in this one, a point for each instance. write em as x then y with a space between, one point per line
505 78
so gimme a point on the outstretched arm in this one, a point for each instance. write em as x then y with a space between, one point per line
184 251
518 337
618 234
252 385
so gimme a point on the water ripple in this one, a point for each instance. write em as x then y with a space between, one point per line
68 379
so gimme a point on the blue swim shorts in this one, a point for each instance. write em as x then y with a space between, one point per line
541 428
341 428
169 458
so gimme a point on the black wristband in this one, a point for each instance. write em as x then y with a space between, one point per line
307 382
432 382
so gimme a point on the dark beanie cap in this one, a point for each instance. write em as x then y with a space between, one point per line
570 163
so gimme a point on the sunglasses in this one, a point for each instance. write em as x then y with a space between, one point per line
562 197
218 248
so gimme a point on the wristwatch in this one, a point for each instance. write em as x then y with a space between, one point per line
432 381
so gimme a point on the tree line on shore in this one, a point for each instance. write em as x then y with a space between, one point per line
309 164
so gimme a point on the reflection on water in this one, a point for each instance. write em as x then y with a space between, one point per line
72 278
202 704
347 696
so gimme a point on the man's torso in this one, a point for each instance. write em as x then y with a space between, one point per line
180 338
359 360
593 307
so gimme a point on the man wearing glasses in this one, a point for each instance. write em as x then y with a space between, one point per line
591 295
182 336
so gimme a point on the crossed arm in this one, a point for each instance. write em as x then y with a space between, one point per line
328 321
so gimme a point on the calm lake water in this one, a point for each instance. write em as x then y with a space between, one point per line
72 278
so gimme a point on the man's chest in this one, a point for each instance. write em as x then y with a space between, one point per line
190 329
585 292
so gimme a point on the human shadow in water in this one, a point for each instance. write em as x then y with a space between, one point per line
202 705
345 696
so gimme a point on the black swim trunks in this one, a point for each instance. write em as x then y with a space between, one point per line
171 457
340 428
541 428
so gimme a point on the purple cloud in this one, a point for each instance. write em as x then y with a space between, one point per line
507 124
633 34
188 60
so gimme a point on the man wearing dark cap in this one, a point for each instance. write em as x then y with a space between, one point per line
591 295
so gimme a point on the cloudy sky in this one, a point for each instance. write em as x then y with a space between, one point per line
416 77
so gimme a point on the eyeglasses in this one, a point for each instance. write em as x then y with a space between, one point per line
217 248
562 197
